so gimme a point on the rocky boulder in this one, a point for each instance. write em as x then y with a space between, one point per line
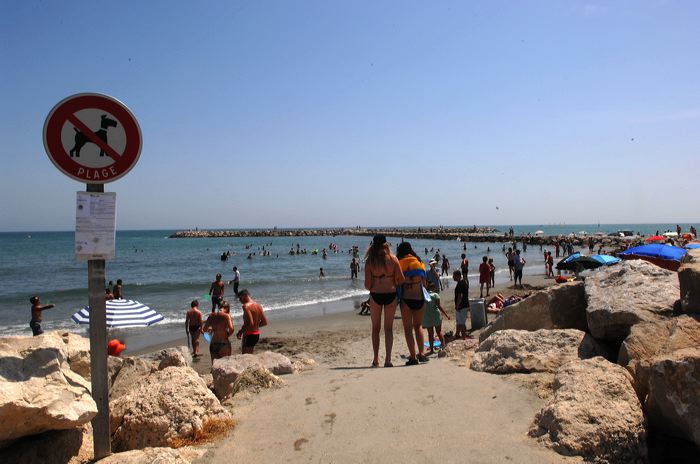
594 413
650 339
78 349
178 357
154 456
626 294
673 401
130 371
558 307
511 351
226 370
689 282
254 379
165 408
38 390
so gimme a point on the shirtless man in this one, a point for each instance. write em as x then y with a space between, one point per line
35 323
217 292
118 290
253 319
221 327
193 325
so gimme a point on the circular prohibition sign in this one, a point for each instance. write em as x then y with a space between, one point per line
100 120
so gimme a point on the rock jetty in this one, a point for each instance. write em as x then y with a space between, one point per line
465 234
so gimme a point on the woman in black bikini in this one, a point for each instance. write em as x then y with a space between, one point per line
412 301
382 276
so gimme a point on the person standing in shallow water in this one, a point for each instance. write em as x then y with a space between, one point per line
382 276
37 317
216 290
412 301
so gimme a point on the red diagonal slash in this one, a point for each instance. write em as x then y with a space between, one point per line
93 138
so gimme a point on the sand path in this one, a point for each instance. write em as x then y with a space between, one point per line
436 412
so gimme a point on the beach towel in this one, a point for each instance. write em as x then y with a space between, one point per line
412 266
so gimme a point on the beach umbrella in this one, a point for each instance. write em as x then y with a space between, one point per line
665 256
671 234
539 232
606 260
578 263
693 246
122 314
655 238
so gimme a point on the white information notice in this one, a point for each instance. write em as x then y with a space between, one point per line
95 225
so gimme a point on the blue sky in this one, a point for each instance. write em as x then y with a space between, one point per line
259 114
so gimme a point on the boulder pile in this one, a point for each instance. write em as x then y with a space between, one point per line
633 367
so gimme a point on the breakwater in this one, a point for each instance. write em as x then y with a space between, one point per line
465 234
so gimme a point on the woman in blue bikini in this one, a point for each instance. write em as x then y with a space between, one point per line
382 276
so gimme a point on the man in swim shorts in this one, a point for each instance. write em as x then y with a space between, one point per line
217 292
220 325
193 325
461 305
35 322
253 319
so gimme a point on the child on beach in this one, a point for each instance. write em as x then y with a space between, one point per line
193 326
431 319
37 309
118 290
493 272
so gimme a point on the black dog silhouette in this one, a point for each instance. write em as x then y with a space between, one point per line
81 139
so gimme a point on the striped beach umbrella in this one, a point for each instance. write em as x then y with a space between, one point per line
122 314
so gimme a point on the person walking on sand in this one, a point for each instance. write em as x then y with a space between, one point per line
382 276
220 325
216 290
549 267
236 280
518 264
461 305
253 319
37 317
412 301
354 267
432 319
193 326
484 276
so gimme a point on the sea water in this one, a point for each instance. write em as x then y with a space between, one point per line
167 274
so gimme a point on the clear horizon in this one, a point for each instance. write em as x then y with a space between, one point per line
263 114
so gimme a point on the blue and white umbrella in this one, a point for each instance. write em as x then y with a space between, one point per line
122 314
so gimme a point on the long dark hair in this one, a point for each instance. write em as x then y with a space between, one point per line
376 253
404 249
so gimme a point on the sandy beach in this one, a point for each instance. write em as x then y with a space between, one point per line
342 410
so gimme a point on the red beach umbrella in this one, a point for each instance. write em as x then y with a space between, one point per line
655 238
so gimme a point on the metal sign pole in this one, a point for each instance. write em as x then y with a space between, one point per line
98 350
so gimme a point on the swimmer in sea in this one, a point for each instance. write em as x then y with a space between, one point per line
220 325
253 319
193 326
37 309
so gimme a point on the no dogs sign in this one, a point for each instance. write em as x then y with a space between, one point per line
92 138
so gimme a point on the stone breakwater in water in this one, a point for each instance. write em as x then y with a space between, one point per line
469 234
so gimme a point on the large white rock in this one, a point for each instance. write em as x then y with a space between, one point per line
558 307
129 372
649 339
78 349
673 402
594 413
227 369
623 295
154 456
511 351
164 407
38 390
179 357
